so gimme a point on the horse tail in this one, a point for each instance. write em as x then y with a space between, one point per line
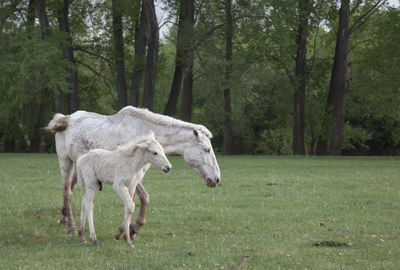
78 172
58 123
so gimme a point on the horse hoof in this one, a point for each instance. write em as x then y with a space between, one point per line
133 229
72 232
61 221
95 243
130 244
116 238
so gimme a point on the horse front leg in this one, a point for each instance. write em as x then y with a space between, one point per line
68 176
144 202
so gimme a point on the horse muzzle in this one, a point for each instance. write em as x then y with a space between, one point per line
166 169
212 183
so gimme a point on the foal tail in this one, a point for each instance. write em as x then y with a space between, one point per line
58 123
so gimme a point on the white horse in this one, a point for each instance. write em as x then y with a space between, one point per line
82 131
119 168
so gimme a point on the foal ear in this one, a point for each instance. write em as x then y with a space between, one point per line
143 145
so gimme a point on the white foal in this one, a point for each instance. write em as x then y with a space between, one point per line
123 168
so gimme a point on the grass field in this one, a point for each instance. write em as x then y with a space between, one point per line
269 213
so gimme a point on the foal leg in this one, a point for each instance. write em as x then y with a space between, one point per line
129 207
88 199
144 202
81 230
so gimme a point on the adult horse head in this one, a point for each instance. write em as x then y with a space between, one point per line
199 154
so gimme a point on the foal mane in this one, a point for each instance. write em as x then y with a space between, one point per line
163 119
129 148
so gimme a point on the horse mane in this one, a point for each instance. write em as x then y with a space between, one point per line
163 119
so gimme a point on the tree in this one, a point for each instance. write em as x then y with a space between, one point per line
118 40
187 93
301 76
151 58
335 106
140 57
63 21
183 53
227 144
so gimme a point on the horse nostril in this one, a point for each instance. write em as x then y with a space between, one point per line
217 180
166 169
208 182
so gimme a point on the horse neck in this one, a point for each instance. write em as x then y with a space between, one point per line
173 139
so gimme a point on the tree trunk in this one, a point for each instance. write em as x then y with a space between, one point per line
227 143
338 78
37 118
72 79
30 20
118 40
301 76
183 48
187 91
43 20
140 57
151 59
187 94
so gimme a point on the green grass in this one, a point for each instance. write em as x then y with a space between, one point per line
267 214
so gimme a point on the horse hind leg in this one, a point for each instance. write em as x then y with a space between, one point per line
141 218
68 177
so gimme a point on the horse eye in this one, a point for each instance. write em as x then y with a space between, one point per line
207 150
155 153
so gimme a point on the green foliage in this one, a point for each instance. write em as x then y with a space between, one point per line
33 73
275 142
355 138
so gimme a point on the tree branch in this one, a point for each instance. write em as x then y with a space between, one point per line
209 33
357 4
82 49
104 79
363 18
314 52
292 79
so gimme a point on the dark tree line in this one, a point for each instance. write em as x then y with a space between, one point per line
266 76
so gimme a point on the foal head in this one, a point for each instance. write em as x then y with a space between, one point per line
154 153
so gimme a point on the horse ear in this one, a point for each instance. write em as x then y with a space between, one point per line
151 135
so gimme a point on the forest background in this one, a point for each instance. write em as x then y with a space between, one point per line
299 77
